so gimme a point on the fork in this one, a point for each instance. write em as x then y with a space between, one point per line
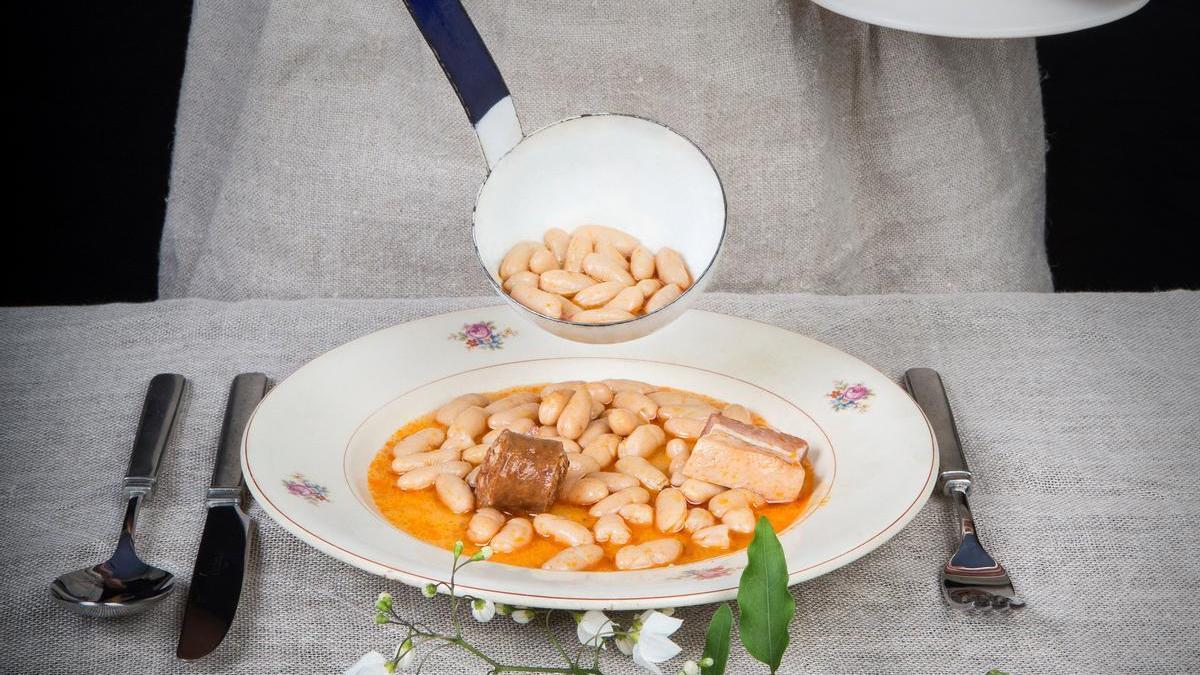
971 579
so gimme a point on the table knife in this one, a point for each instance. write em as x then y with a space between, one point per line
219 573
972 579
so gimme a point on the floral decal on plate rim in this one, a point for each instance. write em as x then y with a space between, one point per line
847 396
714 572
482 335
306 489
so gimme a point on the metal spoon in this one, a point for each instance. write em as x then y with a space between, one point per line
123 584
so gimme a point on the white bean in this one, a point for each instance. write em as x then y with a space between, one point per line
575 558
613 502
515 534
649 554
446 414
630 299
542 260
668 397
644 471
517 258
484 525
699 412
472 477
475 453
600 392
713 536
604 268
662 297
578 248
601 316
622 421
637 514
557 241
598 294
422 477
595 429
603 449
525 278
671 268
562 530
606 249
640 404
648 287
468 425
563 282
579 465
417 460
569 309
569 446
622 241
733 499
698 519
612 528
585 491
641 263
546 304
421 441
685 427
565 385
502 419
490 437
513 399
576 415
670 510
740 519
698 491
629 385
642 442
523 425
677 447
552 405
615 481
739 413
454 493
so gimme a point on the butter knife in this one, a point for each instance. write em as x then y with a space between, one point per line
972 579
219 573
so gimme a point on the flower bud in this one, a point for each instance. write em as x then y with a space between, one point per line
429 590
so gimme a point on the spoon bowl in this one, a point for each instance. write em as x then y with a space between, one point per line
119 586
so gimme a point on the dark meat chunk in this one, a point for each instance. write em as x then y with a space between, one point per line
520 474
790 449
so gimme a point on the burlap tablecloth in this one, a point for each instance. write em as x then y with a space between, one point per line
1079 413
321 153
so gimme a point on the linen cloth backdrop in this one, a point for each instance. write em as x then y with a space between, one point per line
320 151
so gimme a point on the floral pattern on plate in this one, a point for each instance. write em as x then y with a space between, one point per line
847 396
482 335
713 572
306 489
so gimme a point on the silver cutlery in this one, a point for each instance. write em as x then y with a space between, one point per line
219 573
124 584
971 579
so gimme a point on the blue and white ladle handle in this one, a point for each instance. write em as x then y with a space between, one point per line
472 72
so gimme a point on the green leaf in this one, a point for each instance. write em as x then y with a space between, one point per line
765 606
716 644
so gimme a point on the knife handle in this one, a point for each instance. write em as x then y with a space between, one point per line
244 395
159 414
925 386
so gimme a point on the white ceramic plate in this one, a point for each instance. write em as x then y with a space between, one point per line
985 18
306 451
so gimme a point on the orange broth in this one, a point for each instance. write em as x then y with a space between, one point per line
421 514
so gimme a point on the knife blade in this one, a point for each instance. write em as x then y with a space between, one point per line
925 386
219 572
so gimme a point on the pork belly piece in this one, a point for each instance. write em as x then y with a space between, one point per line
520 473
790 449
729 461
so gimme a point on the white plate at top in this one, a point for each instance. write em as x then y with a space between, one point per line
985 18
307 448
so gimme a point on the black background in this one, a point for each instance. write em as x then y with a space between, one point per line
94 150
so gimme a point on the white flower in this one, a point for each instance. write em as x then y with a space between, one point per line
483 610
593 628
523 615
371 663
651 642
625 644
690 668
